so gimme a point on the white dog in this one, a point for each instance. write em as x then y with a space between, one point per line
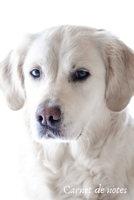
74 84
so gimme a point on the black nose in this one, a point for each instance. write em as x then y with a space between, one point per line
50 116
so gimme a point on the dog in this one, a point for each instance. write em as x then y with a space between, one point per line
73 84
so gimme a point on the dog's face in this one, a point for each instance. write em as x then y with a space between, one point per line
64 76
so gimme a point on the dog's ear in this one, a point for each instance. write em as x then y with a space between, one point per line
119 61
11 75
120 75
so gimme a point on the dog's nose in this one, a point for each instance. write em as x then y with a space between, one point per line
50 116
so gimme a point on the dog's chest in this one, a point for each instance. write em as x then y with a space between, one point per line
73 181
83 178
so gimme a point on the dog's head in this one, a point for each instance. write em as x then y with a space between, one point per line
64 76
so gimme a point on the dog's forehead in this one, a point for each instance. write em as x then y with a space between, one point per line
62 44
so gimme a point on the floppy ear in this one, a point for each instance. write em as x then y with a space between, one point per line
120 75
11 76
119 61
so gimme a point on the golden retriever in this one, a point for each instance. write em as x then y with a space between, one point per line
74 84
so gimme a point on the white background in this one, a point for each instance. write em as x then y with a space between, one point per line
19 17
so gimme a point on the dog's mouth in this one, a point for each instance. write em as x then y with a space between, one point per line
50 135
48 132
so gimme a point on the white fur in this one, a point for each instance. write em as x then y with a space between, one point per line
95 108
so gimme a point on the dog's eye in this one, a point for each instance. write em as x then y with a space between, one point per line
35 73
81 75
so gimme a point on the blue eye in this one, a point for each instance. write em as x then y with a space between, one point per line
81 75
35 73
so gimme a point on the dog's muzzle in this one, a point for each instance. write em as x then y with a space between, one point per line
48 121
